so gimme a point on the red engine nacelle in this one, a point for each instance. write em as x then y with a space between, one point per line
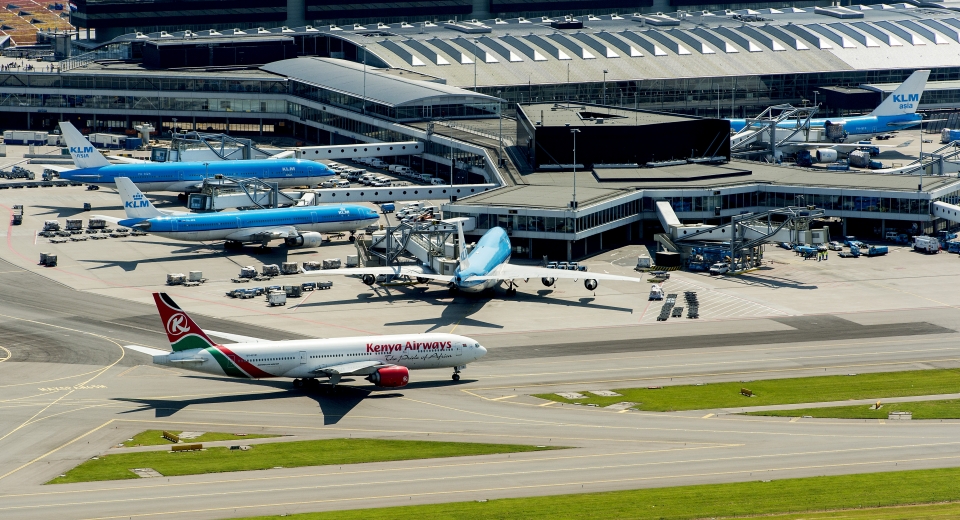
393 377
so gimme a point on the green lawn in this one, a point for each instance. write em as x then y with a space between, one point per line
286 454
781 391
806 498
154 437
945 409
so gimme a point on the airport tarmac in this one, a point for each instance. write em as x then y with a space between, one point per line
71 392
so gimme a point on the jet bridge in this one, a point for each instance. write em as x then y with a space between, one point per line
942 161
775 126
744 236
222 194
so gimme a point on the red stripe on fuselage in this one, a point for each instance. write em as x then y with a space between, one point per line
251 370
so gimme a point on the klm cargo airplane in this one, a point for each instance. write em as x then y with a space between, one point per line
181 177
297 226
897 112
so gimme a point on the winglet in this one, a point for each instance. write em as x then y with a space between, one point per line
906 98
182 332
135 203
83 153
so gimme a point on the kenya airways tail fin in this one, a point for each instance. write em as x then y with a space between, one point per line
135 203
906 98
83 153
182 332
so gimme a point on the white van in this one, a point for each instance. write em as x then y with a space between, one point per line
328 184
376 163
425 177
343 184
396 168
437 181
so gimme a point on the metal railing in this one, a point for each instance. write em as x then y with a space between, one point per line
114 51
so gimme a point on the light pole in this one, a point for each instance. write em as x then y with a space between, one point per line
574 131
605 71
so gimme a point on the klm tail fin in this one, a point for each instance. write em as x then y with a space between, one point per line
906 98
83 153
182 332
135 203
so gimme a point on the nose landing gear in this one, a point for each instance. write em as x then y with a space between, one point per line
456 373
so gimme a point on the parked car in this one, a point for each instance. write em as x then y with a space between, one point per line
835 246
328 184
719 268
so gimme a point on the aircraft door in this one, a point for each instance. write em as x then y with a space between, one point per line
313 217
303 357
179 175
458 349
174 225
239 224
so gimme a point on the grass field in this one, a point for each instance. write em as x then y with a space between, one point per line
155 437
944 409
781 391
861 497
286 454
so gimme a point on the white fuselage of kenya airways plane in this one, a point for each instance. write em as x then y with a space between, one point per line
302 358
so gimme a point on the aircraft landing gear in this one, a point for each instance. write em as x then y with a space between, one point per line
456 373
353 237
297 384
232 245
511 288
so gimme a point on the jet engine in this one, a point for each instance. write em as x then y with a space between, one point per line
590 284
369 279
825 155
308 239
548 281
392 377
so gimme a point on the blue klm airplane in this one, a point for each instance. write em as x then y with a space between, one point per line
897 112
485 267
181 177
297 226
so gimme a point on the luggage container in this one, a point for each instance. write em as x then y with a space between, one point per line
96 223
74 224
289 268
389 207
309 286
51 225
859 158
196 276
331 263
270 270
311 266
324 285
176 278
275 298
248 271
50 260
293 291
353 260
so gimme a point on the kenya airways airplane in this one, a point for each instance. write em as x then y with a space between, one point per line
383 360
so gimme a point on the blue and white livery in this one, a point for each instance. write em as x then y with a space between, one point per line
897 112
485 267
181 177
297 226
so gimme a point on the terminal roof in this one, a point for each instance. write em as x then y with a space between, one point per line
390 88
562 114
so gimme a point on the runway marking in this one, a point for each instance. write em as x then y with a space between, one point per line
9 354
624 411
548 403
709 415
795 419
29 396
502 398
11 432
51 452
464 477
134 327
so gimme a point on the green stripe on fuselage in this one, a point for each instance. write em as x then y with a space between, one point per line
228 367
189 342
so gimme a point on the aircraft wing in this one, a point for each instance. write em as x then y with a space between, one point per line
126 160
412 271
356 368
58 167
147 350
512 272
236 337
260 233
108 218
840 147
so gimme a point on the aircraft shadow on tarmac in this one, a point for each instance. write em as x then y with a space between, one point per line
334 403
63 212
769 282
458 308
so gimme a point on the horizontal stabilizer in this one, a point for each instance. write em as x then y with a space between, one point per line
236 338
147 350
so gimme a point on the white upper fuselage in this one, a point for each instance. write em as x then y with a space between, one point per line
303 358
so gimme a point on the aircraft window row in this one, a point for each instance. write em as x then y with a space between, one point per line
327 355
274 359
